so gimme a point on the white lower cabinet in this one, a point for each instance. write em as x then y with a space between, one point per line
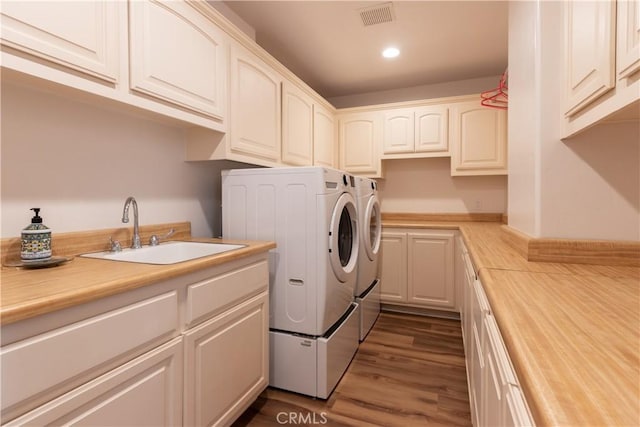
146 391
393 270
495 396
191 349
417 268
226 363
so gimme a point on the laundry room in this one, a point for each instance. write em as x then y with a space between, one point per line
335 213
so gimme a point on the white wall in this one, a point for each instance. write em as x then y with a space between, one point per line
426 185
524 86
440 90
587 187
79 162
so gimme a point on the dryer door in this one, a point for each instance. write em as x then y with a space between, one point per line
372 228
343 237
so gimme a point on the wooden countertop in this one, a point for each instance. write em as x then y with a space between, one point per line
572 330
28 293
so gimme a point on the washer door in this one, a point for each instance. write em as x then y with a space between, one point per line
372 228
343 237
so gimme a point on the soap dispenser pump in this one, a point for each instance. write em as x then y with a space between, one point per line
36 240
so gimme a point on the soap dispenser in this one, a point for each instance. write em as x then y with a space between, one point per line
36 240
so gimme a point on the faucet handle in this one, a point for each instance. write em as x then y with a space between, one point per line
154 240
115 245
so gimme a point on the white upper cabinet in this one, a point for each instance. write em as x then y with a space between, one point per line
82 36
590 51
178 55
360 138
399 135
602 62
628 38
432 129
416 130
324 137
297 126
255 106
478 138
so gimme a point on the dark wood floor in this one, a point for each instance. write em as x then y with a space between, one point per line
409 371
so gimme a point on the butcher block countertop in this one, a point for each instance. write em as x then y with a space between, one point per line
27 293
572 330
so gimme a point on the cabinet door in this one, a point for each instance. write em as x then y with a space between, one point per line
478 366
324 137
430 269
226 363
628 38
144 392
459 278
432 129
185 66
399 131
589 50
297 126
478 140
255 106
360 140
84 36
393 267
516 411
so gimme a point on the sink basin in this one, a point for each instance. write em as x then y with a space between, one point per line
166 253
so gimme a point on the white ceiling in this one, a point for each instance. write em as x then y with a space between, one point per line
326 44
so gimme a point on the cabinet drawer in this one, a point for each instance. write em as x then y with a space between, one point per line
144 391
211 296
67 356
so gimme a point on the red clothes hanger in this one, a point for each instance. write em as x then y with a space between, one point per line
498 97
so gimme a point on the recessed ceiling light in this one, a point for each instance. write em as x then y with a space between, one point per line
391 52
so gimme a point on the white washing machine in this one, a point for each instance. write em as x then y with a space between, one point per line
311 214
367 290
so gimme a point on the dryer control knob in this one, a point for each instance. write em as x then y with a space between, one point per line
344 179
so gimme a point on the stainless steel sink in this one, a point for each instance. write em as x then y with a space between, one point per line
166 253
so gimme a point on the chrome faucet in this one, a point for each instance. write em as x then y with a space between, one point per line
135 241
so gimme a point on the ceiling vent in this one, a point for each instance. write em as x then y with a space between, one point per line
378 14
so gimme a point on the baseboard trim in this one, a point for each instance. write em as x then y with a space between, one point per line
395 308
576 251
469 216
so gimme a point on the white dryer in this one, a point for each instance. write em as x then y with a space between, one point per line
367 291
311 214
